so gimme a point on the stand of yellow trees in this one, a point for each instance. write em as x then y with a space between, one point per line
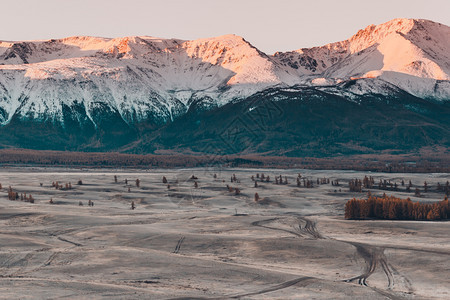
392 208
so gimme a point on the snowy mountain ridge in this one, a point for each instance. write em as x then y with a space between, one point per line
146 77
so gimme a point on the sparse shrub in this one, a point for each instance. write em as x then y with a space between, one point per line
12 195
417 192
256 197
355 185
164 179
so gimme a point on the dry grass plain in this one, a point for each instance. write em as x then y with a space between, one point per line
184 242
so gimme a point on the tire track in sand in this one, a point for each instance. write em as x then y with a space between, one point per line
178 246
373 256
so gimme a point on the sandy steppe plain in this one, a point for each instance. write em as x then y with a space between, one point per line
207 243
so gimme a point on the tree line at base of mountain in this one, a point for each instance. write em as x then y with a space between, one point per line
393 208
419 163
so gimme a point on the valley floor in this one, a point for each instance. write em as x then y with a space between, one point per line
183 242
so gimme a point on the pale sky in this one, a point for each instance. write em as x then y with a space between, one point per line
270 26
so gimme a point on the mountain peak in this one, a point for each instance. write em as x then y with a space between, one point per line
372 34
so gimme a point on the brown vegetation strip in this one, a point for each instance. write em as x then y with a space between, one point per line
393 208
421 163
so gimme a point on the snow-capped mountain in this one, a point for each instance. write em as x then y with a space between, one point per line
134 75
130 80
412 54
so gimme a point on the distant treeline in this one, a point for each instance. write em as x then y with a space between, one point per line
377 163
392 208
